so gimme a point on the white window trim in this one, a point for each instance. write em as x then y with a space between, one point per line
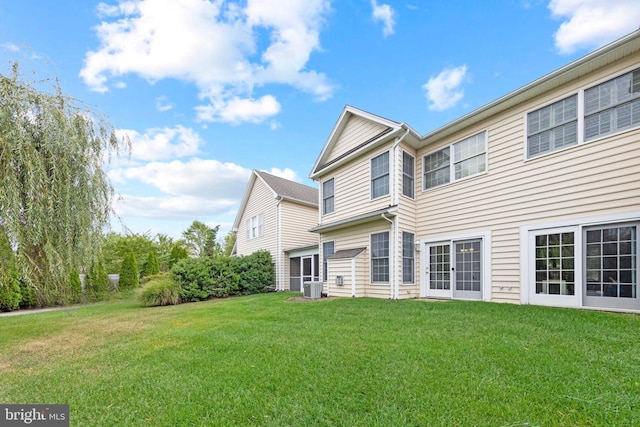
452 161
580 113
413 273
527 289
414 176
391 268
322 213
388 152
325 260
258 220
484 236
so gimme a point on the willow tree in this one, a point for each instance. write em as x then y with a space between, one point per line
55 197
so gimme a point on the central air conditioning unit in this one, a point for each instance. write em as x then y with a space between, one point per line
312 289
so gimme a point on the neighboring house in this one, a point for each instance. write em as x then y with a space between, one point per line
532 198
276 215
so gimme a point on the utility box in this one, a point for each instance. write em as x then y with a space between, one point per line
312 289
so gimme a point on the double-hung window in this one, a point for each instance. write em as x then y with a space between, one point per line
328 197
408 260
380 257
408 174
457 161
255 226
328 248
606 108
380 175
612 106
552 127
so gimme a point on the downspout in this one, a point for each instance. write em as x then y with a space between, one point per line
392 276
394 284
279 258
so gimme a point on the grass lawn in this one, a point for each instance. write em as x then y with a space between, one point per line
261 360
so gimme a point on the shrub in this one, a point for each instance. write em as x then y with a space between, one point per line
10 294
177 253
195 278
129 278
256 272
75 285
96 282
222 276
160 292
150 265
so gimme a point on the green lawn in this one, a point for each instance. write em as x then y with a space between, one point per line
261 360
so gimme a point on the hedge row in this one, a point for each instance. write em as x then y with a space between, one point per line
222 276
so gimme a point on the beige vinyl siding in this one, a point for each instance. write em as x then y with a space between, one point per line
406 217
592 179
296 220
359 236
352 186
340 267
261 200
356 131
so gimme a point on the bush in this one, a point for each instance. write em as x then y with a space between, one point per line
10 295
129 278
194 277
96 282
177 253
75 285
160 292
222 276
150 265
256 273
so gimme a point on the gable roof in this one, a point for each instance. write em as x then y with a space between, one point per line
619 49
390 129
280 188
290 190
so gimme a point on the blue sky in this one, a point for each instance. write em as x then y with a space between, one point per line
209 90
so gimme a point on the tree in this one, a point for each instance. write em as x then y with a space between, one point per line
55 198
229 242
129 278
10 295
200 239
177 253
150 265
96 282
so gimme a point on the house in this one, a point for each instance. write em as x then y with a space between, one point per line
275 215
533 198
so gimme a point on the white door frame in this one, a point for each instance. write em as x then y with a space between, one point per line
425 242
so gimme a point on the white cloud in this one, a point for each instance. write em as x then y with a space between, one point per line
236 110
11 47
444 91
286 173
385 14
163 104
162 143
171 208
214 45
205 179
593 23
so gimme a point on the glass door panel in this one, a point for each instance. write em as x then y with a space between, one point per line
611 266
468 269
438 272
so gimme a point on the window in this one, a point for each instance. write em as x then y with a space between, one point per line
328 197
555 264
469 157
407 257
380 175
255 227
611 263
408 168
612 106
327 249
380 257
552 127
